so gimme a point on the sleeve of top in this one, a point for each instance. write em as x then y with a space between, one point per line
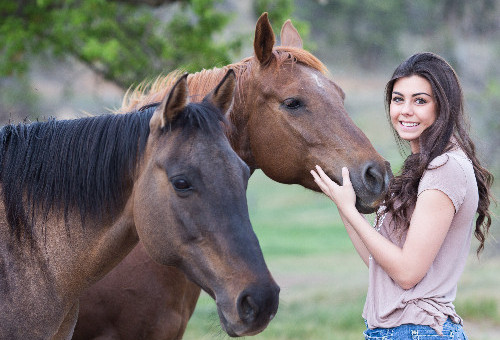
447 175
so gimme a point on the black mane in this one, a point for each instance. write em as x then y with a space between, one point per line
85 165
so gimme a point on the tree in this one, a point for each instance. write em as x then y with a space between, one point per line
362 31
123 40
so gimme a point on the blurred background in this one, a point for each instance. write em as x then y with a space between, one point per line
69 59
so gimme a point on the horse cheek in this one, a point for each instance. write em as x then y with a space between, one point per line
151 222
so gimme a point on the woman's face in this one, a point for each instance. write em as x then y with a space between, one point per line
412 108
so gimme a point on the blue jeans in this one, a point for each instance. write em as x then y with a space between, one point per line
451 331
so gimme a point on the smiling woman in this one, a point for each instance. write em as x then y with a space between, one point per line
418 250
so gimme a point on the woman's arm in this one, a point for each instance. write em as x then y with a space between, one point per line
356 240
429 225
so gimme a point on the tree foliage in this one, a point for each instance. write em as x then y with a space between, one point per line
360 28
123 41
370 31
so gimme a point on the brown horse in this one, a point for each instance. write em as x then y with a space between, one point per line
79 194
288 117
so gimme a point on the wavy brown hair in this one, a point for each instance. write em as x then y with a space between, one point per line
451 121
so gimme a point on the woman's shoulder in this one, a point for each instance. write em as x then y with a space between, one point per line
454 161
451 173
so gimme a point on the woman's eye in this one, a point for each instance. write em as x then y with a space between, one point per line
397 99
292 103
420 101
181 184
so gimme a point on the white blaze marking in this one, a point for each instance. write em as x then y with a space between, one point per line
320 84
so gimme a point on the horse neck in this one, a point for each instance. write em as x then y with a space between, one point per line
63 262
201 83
43 200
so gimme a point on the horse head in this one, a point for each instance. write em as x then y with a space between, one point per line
190 207
297 119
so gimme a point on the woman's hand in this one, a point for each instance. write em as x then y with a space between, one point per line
342 195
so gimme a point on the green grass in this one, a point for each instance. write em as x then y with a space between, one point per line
323 282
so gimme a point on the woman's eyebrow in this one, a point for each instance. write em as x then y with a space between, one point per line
420 93
413 95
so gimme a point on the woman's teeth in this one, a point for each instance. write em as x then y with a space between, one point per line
409 124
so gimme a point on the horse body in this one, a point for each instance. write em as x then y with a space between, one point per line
164 320
288 116
166 175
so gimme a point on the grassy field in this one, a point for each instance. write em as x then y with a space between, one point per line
323 282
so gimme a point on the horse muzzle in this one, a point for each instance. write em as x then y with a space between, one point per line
370 186
251 312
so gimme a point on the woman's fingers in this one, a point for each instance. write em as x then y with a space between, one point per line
325 183
339 194
320 171
324 176
345 176
319 181
315 175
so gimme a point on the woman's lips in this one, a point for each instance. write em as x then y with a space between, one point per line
409 125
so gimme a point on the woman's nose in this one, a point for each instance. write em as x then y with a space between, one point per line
406 109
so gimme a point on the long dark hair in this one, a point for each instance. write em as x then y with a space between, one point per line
451 121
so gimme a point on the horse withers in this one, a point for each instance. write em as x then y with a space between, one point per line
77 195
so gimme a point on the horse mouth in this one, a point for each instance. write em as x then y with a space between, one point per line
226 327
364 208
225 324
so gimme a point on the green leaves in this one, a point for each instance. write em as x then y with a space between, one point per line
191 33
124 43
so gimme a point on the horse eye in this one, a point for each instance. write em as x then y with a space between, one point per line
292 103
181 184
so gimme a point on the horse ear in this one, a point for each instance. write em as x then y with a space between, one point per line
174 102
222 96
290 36
264 40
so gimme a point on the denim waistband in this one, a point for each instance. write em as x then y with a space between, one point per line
451 331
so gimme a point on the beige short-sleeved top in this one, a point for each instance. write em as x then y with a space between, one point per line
430 302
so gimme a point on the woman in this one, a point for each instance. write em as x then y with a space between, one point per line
418 249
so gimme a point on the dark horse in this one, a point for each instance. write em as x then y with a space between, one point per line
288 117
79 194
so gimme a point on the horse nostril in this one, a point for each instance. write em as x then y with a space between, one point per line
248 309
373 178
